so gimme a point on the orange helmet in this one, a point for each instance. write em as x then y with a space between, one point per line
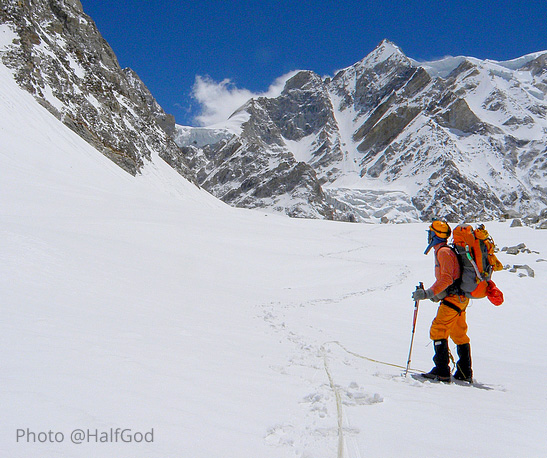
440 228
438 232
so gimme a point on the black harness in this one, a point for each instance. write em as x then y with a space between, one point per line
452 306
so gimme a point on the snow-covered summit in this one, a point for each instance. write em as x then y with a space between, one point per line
520 62
385 51
443 67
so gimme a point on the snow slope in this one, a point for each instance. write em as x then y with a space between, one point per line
142 302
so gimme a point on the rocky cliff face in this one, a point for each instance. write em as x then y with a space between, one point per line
60 57
256 168
391 139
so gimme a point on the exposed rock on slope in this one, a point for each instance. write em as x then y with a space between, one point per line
59 56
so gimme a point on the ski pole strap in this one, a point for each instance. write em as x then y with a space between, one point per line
452 306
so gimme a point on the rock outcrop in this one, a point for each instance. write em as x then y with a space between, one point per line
60 57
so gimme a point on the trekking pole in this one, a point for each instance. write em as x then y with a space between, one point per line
416 303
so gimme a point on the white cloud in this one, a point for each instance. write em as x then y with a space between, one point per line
218 101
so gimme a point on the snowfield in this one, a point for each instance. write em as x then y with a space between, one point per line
144 304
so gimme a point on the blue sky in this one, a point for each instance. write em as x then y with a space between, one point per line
251 43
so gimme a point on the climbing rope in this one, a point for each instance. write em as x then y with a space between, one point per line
339 412
357 355
334 388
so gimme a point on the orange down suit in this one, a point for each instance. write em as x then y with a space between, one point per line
448 322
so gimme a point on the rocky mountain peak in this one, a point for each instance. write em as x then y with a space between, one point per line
392 139
386 51
303 80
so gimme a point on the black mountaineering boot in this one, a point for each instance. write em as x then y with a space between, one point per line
464 371
441 371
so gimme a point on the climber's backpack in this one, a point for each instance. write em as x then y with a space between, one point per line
475 252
